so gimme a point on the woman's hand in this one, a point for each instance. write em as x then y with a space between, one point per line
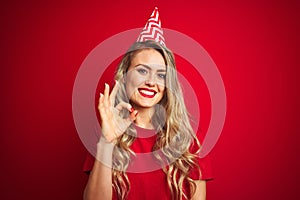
112 124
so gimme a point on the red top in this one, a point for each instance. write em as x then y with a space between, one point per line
147 179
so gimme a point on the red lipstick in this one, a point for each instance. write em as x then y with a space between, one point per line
146 92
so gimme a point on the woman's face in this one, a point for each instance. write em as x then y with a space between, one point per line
145 79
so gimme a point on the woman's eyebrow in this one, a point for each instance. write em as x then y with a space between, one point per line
148 67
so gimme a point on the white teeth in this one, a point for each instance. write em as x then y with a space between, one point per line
146 92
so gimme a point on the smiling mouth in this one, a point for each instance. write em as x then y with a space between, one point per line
148 93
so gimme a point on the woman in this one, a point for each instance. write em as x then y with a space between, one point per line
145 112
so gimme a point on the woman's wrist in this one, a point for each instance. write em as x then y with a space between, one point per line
105 151
109 138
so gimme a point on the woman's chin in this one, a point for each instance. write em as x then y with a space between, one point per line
143 105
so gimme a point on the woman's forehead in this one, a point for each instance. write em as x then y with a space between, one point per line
148 57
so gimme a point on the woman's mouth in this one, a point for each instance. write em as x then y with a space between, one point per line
148 93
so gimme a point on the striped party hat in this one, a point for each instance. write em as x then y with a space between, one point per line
152 29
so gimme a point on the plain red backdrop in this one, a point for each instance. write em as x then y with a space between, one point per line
254 44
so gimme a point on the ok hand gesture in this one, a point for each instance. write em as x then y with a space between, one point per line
113 125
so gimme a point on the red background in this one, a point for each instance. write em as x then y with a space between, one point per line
254 44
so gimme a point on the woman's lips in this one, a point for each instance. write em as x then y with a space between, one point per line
148 93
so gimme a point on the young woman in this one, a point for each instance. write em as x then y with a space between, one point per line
145 114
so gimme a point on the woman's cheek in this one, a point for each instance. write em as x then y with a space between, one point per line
161 88
138 81
132 85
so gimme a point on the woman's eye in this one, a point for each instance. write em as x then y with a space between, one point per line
142 71
162 76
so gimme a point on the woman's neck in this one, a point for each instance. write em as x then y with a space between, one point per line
143 118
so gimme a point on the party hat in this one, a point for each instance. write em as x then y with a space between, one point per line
152 29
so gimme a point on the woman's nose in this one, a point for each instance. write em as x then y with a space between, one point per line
151 80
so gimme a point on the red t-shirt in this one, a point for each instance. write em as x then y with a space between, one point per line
146 183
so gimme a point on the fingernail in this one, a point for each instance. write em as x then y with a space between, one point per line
101 94
136 113
131 109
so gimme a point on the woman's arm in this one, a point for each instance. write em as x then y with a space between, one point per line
99 185
200 193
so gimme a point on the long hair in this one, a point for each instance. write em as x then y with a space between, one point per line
175 134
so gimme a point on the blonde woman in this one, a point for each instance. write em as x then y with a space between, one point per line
143 114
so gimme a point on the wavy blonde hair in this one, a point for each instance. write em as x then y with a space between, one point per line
175 134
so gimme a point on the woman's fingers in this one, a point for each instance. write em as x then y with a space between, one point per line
112 123
133 115
109 99
113 94
122 105
101 106
106 95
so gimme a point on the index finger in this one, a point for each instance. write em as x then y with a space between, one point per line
113 93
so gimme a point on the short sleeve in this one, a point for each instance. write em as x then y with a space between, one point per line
205 172
88 163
